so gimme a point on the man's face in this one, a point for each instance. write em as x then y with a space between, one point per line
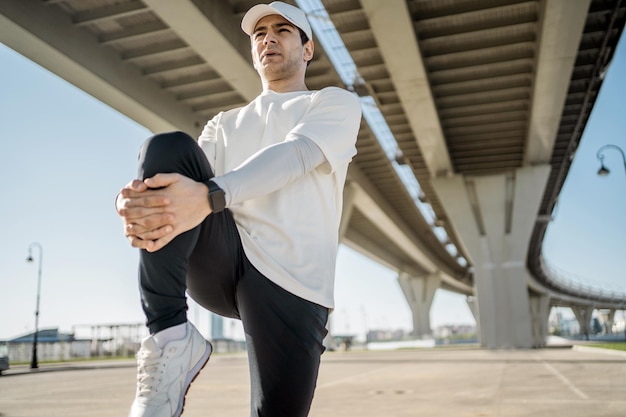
277 50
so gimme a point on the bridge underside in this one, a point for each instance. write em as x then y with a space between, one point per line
486 101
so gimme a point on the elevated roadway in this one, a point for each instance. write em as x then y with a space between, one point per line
486 101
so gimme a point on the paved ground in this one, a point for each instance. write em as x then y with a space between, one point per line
431 382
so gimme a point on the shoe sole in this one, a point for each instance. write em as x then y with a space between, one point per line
192 375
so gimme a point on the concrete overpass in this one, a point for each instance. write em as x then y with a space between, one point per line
486 101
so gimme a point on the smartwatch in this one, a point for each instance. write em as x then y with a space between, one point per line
217 200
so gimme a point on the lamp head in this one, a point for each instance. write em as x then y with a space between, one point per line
603 171
30 255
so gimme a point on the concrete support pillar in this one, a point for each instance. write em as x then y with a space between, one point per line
494 216
583 315
539 313
606 318
348 207
610 319
419 293
349 192
472 303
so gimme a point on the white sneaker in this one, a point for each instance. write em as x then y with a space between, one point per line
164 376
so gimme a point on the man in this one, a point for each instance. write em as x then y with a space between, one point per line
247 224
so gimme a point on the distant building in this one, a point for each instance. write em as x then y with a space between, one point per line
385 335
342 342
108 340
44 336
51 345
564 326
452 330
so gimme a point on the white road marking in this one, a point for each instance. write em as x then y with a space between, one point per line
564 380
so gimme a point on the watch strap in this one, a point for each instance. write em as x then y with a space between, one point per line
217 199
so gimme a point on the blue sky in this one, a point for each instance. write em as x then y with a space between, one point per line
64 156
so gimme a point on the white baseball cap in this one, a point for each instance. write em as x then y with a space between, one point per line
294 15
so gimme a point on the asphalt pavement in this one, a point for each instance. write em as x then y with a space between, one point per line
459 382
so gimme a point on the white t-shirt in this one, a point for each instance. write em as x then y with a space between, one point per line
291 234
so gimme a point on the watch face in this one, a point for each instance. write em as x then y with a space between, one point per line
217 201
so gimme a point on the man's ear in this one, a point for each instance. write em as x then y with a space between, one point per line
309 48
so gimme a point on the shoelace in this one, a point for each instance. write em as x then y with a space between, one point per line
149 369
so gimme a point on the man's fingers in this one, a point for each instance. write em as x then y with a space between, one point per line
151 201
148 220
125 202
135 188
152 245
135 242
134 194
161 180
148 213
152 234
160 243
137 185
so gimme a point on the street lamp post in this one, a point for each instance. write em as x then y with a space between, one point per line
603 171
33 362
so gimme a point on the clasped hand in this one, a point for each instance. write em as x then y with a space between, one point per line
158 209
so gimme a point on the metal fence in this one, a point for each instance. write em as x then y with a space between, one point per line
584 286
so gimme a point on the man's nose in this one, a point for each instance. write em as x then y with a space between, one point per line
270 37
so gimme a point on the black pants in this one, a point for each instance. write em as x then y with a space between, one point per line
284 332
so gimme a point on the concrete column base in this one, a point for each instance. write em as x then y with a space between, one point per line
494 216
607 318
583 315
539 313
472 303
419 293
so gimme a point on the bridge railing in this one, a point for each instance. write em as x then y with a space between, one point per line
583 286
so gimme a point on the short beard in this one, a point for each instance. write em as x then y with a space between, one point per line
286 70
